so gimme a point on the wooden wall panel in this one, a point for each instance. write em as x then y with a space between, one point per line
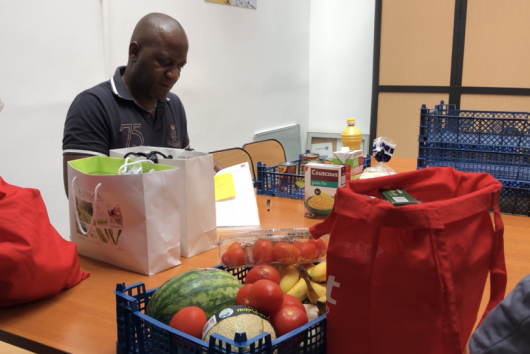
416 42
495 103
497 46
399 118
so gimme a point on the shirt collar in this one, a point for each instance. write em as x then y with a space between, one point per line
118 87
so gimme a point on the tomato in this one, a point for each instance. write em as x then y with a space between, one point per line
297 243
242 295
249 259
262 271
263 251
286 253
265 296
321 246
234 245
290 300
190 320
287 319
308 252
233 257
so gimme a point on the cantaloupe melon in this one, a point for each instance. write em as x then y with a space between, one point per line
238 319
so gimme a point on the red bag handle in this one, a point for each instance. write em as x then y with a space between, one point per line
498 276
451 328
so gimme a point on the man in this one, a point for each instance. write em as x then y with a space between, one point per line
135 106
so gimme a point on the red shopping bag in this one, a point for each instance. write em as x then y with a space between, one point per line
35 261
410 279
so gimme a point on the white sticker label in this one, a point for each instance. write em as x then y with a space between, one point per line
211 322
400 199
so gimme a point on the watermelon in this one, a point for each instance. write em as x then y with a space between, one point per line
211 289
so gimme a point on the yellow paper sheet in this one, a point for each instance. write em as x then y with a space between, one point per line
224 186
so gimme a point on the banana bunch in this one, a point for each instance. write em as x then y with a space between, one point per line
305 282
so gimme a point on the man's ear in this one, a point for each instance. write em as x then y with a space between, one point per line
134 50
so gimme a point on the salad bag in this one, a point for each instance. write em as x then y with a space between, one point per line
128 220
410 279
198 232
35 261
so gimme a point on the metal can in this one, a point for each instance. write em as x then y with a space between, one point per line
308 157
288 167
287 182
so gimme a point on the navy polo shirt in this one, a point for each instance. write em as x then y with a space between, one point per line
107 117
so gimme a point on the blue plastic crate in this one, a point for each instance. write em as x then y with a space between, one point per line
271 182
139 333
497 143
515 197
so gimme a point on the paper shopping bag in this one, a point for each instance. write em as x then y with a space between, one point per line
409 279
198 231
131 220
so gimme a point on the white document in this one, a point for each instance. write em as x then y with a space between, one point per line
242 210
325 150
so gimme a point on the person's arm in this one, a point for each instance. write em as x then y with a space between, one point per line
506 329
67 158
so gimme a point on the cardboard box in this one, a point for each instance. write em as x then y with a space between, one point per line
352 159
321 183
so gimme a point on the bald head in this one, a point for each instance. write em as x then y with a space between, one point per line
157 53
156 27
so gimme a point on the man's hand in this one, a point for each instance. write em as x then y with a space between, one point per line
217 167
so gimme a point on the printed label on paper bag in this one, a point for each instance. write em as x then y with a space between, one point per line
108 223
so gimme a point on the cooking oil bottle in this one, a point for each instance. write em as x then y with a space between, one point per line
351 136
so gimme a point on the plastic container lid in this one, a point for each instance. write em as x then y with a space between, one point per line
280 234
351 121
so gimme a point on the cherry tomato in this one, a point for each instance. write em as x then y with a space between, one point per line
308 252
233 258
242 295
262 271
321 246
265 296
287 319
286 253
190 320
290 300
234 245
262 251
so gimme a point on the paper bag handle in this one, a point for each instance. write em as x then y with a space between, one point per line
149 156
72 197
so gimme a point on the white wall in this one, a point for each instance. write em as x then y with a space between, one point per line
340 65
247 72
44 61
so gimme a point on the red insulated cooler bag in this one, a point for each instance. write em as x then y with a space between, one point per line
410 279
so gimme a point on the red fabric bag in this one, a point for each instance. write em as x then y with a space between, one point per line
410 279
35 261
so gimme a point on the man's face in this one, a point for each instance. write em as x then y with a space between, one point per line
158 66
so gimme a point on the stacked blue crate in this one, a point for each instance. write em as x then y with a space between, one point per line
480 141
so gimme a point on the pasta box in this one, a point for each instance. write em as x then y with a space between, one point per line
321 183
